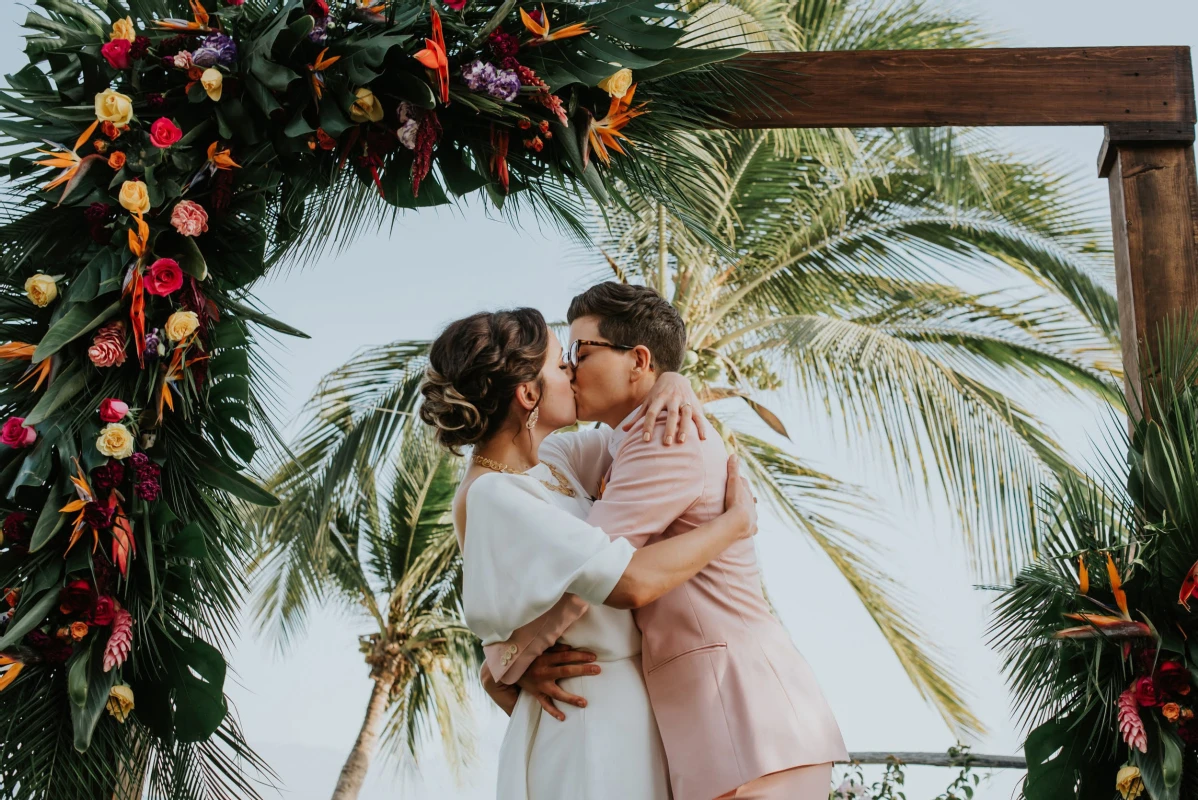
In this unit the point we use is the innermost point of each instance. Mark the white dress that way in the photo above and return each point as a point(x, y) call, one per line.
point(525, 546)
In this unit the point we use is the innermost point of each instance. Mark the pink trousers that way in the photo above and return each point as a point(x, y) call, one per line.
point(812, 782)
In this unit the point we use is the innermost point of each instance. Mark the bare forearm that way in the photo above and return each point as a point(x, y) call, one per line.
point(504, 696)
point(662, 566)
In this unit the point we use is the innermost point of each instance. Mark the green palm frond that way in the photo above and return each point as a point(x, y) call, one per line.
point(804, 497)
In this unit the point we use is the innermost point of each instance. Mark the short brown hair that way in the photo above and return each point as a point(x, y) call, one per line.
point(474, 367)
point(633, 315)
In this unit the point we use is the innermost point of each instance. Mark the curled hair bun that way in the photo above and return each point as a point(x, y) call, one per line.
point(474, 368)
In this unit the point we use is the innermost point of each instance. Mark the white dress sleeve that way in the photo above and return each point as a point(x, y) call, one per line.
point(582, 453)
point(522, 553)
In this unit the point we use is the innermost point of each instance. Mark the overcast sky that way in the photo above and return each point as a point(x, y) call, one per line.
point(302, 711)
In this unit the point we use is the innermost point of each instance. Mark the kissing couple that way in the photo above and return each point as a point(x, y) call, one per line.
point(617, 564)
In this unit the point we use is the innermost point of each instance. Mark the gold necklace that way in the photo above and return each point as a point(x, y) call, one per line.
point(563, 484)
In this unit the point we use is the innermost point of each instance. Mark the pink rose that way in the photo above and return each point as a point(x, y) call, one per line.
point(113, 410)
point(164, 277)
point(182, 59)
point(116, 53)
point(456, 5)
point(189, 219)
point(15, 435)
point(164, 133)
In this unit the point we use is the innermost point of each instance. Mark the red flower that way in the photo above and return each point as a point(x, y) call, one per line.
point(1146, 694)
point(164, 277)
point(318, 8)
point(113, 410)
point(456, 5)
point(15, 435)
point(116, 53)
point(77, 596)
point(139, 47)
point(1174, 678)
point(103, 611)
point(164, 133)
point(14, 526)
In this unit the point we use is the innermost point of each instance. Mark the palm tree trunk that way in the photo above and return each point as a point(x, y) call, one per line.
point(353, 774)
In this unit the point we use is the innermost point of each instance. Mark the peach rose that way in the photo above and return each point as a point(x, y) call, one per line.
point(180, 325)
point(213, 83)
point(189, 218)
point(120, 702)
point(78, 630)
point(114, 107)
point(116, 159)
point(123, 29)
point(115, 441)
point(41, 289)
point(617, 84)
point(135, 197)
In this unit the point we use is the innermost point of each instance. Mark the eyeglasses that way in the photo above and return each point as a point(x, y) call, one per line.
point(570, 354)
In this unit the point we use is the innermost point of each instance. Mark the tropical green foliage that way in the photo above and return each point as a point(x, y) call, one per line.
point(1098, 633)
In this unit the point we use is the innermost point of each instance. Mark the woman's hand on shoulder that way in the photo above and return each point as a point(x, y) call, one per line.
point(673, 394)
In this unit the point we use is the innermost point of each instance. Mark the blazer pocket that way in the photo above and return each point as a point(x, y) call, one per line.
point(700, 649)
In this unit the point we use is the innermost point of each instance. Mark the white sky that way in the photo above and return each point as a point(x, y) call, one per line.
point(303, 711)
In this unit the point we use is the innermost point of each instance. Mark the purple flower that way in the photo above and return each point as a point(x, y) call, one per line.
point(153, 344)
point(146, 484)
point(505, 86)
point(478, 75)
point(407, 133)
point(320, 31)
point(217, 48)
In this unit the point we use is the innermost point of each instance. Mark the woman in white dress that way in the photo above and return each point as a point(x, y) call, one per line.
point(494, 382)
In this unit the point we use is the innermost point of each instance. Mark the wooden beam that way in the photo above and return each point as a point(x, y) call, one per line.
point(930, 88)
point(1154, 218)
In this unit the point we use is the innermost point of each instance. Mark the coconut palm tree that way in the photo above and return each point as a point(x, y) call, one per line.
point(838, 265)
point(393, 560)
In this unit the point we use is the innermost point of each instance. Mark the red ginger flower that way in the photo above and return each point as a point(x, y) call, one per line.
point(121, 640)
point(1130, 724)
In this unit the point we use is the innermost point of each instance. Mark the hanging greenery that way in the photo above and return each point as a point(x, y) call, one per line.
point(161, 156)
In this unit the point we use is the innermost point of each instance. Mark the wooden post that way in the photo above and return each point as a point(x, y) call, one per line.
point(1154, 220)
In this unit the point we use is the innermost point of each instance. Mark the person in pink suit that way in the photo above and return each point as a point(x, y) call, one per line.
point(740, 712)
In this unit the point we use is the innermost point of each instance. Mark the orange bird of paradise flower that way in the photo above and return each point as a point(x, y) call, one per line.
point(434, 58)
point(221, 159)
point(173, 373)
point(139, 240)
point(200, 24)
point(1114, 627)
point(499, 141)
point(73, 167)
point(84, 496)
point(540, 30)
point(23, 351)
point(135, 289)
point(123, 544)
point(317, 68)
point(606, 132)
point(12, 669)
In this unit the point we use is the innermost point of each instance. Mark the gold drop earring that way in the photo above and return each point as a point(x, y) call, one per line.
point(532, 419)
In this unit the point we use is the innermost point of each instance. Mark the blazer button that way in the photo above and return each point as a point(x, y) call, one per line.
point(513, 649)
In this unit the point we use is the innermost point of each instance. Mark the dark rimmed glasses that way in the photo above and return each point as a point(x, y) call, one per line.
point(570, 354)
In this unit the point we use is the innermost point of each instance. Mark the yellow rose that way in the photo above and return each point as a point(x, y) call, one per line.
point(115, 441)
point(120, 701)
point(114, 107)
point(366, 107)
point(181, 324)
point(123, 29)
point(41, 289)
point(135, 197)
point(1129, 783)
point(617, 85)
point(213, 82)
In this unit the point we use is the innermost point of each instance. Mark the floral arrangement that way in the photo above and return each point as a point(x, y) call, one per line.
point(1100, 637)
point(157, 165)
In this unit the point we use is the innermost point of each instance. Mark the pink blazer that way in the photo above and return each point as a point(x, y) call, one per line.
point(733, 698)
